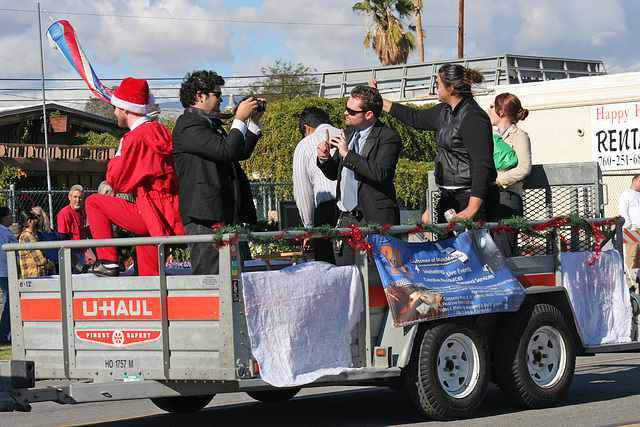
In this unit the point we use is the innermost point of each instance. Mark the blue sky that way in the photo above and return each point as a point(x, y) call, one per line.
point(168, 38)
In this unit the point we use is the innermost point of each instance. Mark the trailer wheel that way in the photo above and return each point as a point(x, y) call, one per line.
point(273, 396)
point(449, 370)
point(535, 366)
point(182, 404)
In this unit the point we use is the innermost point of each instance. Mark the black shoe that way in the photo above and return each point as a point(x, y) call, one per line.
point(104, 268)
point(81, 267)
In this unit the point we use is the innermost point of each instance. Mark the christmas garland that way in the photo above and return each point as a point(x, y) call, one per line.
point(355, 238)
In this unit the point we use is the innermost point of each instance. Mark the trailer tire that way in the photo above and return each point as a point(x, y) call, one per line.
point(448, 373)
point(182, 404)
point(535, 366)
point(274, 396)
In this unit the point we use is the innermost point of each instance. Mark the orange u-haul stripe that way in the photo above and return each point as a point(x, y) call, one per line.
point(193, 308)
point(542, 279)
point(377, 298)
point(40, 309)
point(178, 308)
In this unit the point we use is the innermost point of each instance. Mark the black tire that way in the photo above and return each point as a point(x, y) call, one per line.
point(536, 359)
point(274, 396)
point(448, 373)
point(182, 404)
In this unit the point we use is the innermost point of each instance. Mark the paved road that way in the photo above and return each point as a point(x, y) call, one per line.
point(605, 391)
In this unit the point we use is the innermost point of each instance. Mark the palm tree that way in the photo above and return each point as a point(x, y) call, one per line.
point(385, 31)
point(417, 11)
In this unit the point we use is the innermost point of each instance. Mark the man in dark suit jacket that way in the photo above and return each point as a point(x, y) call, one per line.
point(364, 165)
point(214, 189)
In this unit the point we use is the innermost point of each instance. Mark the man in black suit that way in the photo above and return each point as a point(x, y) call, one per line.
point(214, 190)
point(364, 165)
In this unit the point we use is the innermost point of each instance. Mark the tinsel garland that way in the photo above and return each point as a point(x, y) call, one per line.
point(356, 239)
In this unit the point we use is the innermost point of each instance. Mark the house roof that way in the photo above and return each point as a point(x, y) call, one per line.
point(86, 120)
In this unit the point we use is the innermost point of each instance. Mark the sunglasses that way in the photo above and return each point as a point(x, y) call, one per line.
point(217, 94)
point(353, 112)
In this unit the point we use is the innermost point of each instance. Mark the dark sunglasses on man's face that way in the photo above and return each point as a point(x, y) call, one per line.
point(353, 112)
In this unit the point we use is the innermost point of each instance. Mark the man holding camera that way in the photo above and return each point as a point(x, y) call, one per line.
point(214, 190)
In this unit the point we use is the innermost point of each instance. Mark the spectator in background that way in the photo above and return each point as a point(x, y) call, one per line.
point(6, 236)
point(46, 233)
point(315, 194)
point(71, 219)
point(33, 263)
point(43, 219)
point(72, 224)
point(629, 209)
point(106, 189)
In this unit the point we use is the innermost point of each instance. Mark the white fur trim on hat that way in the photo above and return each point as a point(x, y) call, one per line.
point(132, 95)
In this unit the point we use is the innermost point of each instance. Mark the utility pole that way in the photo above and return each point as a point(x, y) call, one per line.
point(461, 30)
point(45, 125)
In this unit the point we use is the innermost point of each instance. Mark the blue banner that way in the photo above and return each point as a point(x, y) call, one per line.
point(460, 276)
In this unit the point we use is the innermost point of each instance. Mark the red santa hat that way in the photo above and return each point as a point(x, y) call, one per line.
point(132, 95)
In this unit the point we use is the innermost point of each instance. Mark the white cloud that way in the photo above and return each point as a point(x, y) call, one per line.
point(145, 39)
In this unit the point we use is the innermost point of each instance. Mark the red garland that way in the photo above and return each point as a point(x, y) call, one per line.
point(355, 239)
point(279, 236)
point(598, 237)
point(232, 240)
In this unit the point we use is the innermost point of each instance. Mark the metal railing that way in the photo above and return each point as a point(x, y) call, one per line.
point(411, 81)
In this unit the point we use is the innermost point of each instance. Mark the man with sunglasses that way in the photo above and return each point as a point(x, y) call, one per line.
point(214, 189)
point(364, 165)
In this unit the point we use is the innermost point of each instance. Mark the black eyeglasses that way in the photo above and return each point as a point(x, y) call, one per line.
point(216, 94)
point(353, 112)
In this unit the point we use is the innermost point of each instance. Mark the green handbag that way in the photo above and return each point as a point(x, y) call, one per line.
point(504, 156)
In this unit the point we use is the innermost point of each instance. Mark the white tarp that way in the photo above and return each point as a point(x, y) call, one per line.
point(300, 320)
point(599, 296)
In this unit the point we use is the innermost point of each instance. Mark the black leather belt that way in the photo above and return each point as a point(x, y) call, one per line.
point(357, 214)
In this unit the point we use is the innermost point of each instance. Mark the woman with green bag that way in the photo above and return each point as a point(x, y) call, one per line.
point(512, 165)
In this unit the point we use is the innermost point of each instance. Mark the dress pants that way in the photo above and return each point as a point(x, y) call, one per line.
point(102, 212)
point(344, 254)
point(459, 200)
point(510, 205)
point(204, 256)
point(325, 214)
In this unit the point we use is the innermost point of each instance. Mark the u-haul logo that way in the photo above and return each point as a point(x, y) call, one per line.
point(116, 308)
point(117, 337)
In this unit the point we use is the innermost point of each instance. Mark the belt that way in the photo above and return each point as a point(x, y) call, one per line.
point(452, 192)
point(357, 214)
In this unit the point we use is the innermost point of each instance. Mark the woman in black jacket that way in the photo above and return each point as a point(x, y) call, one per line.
point(464, 168)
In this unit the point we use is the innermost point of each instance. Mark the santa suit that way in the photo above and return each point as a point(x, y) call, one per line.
point(145, 167)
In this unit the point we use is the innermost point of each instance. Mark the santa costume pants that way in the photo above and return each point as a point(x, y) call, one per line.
point(102, 212)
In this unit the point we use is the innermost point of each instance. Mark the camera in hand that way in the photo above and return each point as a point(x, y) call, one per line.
point(262, 105)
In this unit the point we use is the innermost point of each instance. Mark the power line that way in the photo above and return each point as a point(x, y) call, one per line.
point(228, 21)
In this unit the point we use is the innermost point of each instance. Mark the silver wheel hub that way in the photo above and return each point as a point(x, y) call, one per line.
point(546, 356)
point(458, 365)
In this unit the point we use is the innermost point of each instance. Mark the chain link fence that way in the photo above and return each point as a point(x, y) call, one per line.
point(616, 182)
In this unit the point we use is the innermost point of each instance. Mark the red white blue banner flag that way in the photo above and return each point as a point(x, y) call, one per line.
point(62, 36)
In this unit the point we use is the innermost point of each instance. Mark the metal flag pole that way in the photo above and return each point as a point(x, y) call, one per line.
point(46, 128)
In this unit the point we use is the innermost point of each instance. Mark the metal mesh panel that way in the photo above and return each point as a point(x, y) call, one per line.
point(542, 204)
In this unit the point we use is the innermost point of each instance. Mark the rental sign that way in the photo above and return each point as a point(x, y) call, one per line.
point(614, 135)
